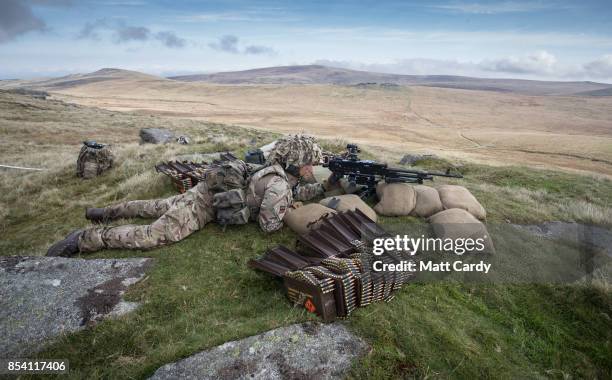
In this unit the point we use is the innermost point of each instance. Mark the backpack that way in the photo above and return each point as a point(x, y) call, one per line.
point(226, 175)
point(94, 159)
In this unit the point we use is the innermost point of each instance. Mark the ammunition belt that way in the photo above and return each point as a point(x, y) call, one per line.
point(331, 274)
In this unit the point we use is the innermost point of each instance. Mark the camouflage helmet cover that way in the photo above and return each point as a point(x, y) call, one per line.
point(297, 150)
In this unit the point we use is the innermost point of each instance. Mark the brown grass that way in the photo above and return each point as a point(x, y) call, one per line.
point(570, 133)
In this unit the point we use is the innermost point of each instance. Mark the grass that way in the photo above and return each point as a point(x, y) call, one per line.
point(200, 292)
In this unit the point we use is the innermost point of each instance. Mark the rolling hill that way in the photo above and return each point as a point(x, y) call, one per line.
point(317, 74)
point(452, 117)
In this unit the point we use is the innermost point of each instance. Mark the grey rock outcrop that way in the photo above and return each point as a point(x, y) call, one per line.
point(300, 351)
point(411, 159)
point(44, 297)
point(156, 136)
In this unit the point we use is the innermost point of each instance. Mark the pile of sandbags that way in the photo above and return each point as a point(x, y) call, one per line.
point(402, 199)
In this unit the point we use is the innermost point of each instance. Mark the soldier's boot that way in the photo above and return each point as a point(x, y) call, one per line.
point(67, 247)
point(96, 215)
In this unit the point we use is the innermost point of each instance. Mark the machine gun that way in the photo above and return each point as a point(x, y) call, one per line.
point(368, 173)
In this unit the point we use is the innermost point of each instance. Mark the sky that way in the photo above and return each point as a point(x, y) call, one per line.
point(547, 40)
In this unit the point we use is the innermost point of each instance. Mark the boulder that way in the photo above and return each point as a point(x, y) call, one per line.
point(453, 196)
point(44, 297)
point(411, 159)
point(183, 140)
point(156, 136)
point(304, 218)
point(397, 199)
point(349, 202)
point(299, 351)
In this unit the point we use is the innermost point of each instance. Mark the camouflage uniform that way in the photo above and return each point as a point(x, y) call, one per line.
point(178, 217)
point(268, 197)
point(304, 190)
point(297, 151)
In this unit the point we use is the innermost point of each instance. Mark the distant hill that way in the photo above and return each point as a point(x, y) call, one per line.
point(317, 74)
point(308, 74)
point(74, 80)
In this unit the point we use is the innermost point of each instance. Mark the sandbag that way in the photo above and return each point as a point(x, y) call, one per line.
point(349, 202)
point(427, 201)
point(453, 196)
point(456, 223)
point(379, 189)
point(307, 217)
point(397, 199)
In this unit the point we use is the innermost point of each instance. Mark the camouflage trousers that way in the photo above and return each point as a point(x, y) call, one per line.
point(177, 218)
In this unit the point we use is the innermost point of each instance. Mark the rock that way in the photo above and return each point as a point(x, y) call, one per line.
point(585, 235)
point(411, 159)
point(300, 351)
point(156, 136)
point(183, 140)
point(44, 297)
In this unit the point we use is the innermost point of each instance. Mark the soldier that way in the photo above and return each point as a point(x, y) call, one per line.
point(268, 196)
point(297, 155)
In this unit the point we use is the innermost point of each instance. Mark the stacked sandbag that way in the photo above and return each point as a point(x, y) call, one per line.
point(456, 223)
point(349, 202)
point(453, 196)
point(94, 159)
point(307, 217)
point(380, 186)
point(396, 199)
point(427, 201)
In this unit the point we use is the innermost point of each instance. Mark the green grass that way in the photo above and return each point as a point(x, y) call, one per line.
point(200, 292)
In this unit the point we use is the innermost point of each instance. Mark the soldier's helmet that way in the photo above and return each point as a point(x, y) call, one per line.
point(296, 150)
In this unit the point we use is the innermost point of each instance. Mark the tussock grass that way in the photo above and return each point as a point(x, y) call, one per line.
point(200, 293)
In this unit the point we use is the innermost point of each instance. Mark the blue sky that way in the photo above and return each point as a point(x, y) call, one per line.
point(562, 40)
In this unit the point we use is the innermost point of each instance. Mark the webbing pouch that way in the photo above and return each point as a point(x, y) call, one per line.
point(229, 215)
point(235, 198)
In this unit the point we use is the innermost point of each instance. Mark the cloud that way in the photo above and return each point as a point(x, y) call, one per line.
point(229, 44)
point(124, 33)
point(170, 39)
point(495, 7)
point(541, 62)
point(599, 68)
point(90, 29)
point(538, 65)
point(51, 3)
point(16, 18)
point(259, 49)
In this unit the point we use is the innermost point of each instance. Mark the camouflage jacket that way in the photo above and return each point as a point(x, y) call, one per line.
point(269, 196)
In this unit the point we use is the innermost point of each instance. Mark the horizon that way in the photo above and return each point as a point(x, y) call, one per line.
point(306, 65)
point(539, 40)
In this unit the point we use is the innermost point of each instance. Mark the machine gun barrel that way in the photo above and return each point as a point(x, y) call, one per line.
point(368, 173)
point(425, 173)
